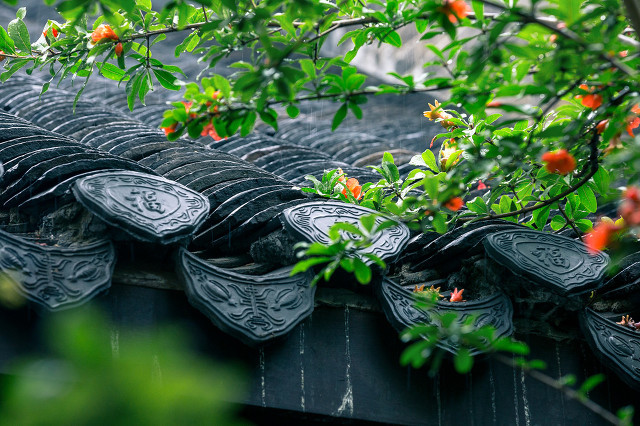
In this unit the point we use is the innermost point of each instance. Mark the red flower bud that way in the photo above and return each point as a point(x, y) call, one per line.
point(119, 49)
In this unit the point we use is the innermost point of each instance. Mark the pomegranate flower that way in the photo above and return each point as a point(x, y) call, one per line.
point(437, 113)
point(354, 187)
point(601, 236)
point(169, 129)
point(456, 296)
point(455, 9)
point(630, 207)
point(454, 204)
point(560, 162)
point(103, 32)
point(590, 100)
point(210, 130)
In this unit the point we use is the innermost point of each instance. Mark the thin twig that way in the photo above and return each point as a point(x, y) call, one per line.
point(555, 384)
point(593, 161)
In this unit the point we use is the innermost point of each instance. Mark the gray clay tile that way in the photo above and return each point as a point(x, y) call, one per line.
point(148, 207)
point(144, 150)
point(258, 225)
point(224, 174)
point(254, 309)
point(399, 305)
point(53, 171)
point(616, 346)
point(556, 262)
point(311, 222)
point(56, 277)
point(216, 226)
point(194, 170)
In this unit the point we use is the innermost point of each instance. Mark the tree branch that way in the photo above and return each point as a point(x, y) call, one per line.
point(555, 384)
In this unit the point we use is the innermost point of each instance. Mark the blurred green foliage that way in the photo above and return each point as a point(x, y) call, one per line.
point(96, 374)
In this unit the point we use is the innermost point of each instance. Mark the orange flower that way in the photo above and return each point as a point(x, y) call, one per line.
point(632, 193)
point(630, 207)
point(591, 100)
point(118, 49)
point(600, 236)
point(455, 9)
point(209, 130)
point(632, 123)
point(169, 129)
point(342, 178)
point(54, 32)
point(103, 31)
point(456, 296)
point(454, 204)
point(437, 113)
point(494, 104)
point(560, 162)
point(354, 187)
point(2, 57)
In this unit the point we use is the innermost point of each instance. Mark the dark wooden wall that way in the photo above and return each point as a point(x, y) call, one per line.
point(343, 362)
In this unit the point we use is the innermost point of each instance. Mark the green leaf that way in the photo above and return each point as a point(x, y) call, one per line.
point(248, 123)
point(339, 117)
point(308, 67)
point(439, 223)
point(293, 111)
point(6, 44)
point(602, 180)
point(20, 34)
point(588, 198)
point(591, 383)
point(477, 205)
point(303, 265)
point(368, 221)
point(478, 9)
point(393, 38)
point(361, 271)
point(540, 216)
point(112, 72)
point(21, 13)
point(223, 85)
point(166, 79)
point(463, 361)
point(557, 222)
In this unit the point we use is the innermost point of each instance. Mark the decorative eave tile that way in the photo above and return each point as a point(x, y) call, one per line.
point(617, 347)
point(56, 277)
point(252, 308)
point(150, 208)
point(399, 306)
point(559, 263)
point(311, 222)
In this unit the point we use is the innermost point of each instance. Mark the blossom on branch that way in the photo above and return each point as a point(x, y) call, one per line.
point(455, 9)
point(354, 187)
point(590, 100)
point(560, 162)
point(454, 204)
point(210, 130)
point(103, 32)
point(437, 113)
point(601, 236)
